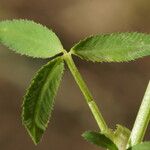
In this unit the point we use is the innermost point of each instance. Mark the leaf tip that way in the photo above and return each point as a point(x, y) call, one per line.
point(35, 134)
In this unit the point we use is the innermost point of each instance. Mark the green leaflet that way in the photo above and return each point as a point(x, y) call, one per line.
point(39, 99)
point(142, 146)
point(29, 38)
point(99, 139)
point(116, 47)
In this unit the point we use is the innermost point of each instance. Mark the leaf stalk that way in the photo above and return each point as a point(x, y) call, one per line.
point(85, 91)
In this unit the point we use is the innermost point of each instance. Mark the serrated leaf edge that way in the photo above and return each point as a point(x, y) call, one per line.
point(39, 24)
point(94, 61)
point(27, 91)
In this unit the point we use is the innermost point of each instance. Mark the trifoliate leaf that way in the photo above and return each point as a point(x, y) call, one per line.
point(116, 47)
point(99, 139)
point(39, 99)
point(29, 38)
point(142, 146)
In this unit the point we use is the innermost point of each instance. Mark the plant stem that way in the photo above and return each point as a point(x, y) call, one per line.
point(142, 120)
point(88, 97)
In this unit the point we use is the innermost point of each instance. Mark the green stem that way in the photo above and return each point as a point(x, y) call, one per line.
point(142, 120)
point(88, 97)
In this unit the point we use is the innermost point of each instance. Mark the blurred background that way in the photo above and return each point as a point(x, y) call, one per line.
point(117, 87)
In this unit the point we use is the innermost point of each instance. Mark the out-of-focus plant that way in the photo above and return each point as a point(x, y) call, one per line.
point(34, 40)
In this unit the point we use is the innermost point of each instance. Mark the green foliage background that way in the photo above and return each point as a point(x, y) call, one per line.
point(118, 88)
